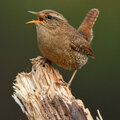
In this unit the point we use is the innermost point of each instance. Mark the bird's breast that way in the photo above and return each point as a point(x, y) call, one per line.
point(57, 49)
point(54, 49)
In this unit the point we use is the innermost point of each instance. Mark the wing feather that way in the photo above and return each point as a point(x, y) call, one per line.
point(82, 46)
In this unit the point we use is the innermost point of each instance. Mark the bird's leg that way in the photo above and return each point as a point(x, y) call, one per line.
point(69, 83)
point(73, 75)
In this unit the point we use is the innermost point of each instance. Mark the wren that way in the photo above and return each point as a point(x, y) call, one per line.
point(61, 43)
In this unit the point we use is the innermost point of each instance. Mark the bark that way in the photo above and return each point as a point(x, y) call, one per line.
point(41, 95)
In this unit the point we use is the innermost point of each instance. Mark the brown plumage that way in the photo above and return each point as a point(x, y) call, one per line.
point(62, 44)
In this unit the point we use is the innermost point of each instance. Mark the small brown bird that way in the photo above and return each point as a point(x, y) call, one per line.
point(62, 44)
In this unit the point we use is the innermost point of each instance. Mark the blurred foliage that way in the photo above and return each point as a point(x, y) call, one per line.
point(97, 83)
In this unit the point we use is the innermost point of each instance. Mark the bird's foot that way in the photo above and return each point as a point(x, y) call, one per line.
point(64, 84)
point(45, 60)
point(40, 60)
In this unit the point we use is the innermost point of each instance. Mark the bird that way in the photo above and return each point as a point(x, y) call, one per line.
point(61, 43)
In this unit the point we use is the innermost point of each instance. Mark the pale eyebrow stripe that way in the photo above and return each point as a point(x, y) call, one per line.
point(55, 15)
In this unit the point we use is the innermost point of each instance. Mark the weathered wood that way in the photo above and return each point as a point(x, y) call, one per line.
point(41, 97)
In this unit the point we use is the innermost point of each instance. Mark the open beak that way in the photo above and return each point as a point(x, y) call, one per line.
point(40, 19)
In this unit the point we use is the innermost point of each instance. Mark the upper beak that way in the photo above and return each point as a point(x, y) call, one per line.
point(40, 19)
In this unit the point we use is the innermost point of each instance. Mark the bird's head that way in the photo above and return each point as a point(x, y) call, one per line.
point(49, 19)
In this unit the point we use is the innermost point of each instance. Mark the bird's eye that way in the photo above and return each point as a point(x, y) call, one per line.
point(49, 17)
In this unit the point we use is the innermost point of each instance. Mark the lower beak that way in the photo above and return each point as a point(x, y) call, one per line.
point(33, 21)
point(40, 19)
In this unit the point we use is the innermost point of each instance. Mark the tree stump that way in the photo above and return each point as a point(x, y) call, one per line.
point(42, 97)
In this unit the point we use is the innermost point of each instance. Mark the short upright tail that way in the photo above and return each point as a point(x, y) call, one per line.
point(85, 28)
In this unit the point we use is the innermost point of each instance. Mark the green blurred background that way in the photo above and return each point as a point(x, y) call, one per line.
point(97, 83)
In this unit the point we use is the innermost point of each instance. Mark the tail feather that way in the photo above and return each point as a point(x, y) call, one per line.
point(85, 28)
